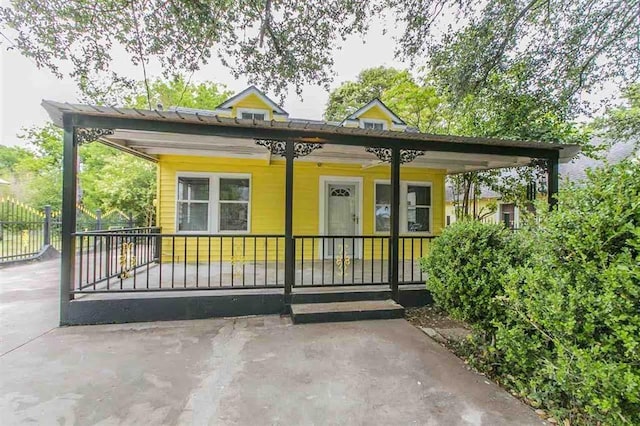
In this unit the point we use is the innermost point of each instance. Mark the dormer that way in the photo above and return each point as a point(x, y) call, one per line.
point(375, 116)
point(252, 103)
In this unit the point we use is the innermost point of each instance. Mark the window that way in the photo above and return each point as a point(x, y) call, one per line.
point(418, 207)
point(193, 204)
point(415, 207)
point(216, 203)
point(252, 116)
point(234, 204)
point(373, 125)
point(383, 207)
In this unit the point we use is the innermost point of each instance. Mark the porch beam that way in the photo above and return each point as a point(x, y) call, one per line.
point(552, 182)
point(312, 136)
point(69, 193)
point(289, 248)
point(395, 224)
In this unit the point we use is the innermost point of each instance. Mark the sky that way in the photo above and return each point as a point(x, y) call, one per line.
point(23, 85)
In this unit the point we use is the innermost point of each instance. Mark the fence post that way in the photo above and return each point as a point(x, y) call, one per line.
point(47, 226)
point(98, 220)
point(130, 220)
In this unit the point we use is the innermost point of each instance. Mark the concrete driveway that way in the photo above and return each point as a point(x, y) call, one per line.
point(243, 371)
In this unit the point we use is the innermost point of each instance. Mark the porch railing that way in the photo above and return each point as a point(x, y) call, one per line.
point(356, 259)
point(143, 259)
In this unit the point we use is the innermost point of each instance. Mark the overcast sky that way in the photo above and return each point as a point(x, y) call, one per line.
point(24, 85)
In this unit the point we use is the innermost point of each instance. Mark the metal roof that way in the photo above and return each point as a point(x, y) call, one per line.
point(182, 122)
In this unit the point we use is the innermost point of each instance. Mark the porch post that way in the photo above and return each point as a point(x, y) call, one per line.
point(69, 190)
point(395, 223)
point(289, 248)
point(552, 179)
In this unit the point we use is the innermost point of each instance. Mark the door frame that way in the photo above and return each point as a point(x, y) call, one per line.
point(324, 182)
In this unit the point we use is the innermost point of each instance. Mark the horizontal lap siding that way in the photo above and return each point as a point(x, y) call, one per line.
point(267, 202)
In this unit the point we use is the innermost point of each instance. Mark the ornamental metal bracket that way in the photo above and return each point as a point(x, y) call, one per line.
point(384, 154)
point(87, 135)
point(301, 149)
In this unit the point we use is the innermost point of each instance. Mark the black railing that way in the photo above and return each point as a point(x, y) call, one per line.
point(411, 250)
point(356, 260)
point(143, 259)
point(341, 260)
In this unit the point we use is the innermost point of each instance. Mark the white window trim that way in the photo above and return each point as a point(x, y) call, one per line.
point(404, 185)
point(385, 124)
point(213, 224)
point(404, 189)
point(239, 112)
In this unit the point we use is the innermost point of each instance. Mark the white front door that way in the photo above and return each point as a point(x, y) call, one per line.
point(342, 218)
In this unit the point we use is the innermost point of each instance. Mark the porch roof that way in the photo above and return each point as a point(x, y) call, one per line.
point(150, 133)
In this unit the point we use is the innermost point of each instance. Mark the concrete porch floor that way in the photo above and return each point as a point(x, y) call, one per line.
point(242, 371)
point(248, 274)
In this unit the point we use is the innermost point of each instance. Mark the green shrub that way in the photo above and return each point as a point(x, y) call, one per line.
point(572, 334)
point(463, 266)
point(556, 309)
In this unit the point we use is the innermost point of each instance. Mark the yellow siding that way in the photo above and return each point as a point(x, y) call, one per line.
point(252, 101)
point(267, 198)
point(376, 113)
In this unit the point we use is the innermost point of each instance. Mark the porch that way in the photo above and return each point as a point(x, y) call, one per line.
point(159, 262)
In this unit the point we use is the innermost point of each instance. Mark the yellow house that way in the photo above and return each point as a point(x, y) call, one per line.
point(266, 207)
point(335, 194)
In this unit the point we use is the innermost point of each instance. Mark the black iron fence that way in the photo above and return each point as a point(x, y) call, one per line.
point(144, 259)
point(25, 231)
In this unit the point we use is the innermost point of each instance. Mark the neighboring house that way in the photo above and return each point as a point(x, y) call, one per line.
point(267, 208)
point(574, 171)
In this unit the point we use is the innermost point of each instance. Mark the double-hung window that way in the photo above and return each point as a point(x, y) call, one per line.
point(252, 114)
point(214, 203)
point(373, 125)
point(418, 207)
point(415, 207)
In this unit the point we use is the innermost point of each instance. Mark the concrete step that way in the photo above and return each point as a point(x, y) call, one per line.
point(339, 294)
point(345, 311)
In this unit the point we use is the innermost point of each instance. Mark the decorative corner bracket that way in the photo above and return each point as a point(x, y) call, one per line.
point(87, 135)
point(301, 149)
point(384, 154)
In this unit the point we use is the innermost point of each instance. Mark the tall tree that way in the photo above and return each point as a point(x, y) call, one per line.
point(108, 178)
point(505, 108)
point(570, 45)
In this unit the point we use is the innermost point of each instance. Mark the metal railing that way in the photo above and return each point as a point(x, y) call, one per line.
point(143, 259)
point(25, 231)
point(356, 259)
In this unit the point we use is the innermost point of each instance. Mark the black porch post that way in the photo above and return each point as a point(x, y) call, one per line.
point(69, 175)
point(552, 179)
point(289, 248)
point(395, 223)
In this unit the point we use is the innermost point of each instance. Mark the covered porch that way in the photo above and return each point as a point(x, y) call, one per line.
point(157, 261)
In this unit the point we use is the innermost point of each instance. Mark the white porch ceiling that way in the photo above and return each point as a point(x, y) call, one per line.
point(155, 144)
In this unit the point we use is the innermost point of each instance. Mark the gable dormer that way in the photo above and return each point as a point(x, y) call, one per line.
point(376, 116)
point(252, 103)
